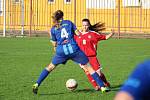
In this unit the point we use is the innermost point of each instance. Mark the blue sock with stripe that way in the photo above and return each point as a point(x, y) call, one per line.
point(42, 76)
point(97, 79)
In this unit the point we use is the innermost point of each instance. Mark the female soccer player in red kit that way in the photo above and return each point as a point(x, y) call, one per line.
point(87, 41)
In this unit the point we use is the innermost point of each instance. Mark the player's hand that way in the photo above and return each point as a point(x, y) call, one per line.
point(65, 41)
point(77, 32)
point(112, 31)
point(54, 49)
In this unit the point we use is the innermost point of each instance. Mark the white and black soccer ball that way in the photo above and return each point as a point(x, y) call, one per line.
point(71, 84)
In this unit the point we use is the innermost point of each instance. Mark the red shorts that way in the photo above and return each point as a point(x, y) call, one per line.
point(94, 63)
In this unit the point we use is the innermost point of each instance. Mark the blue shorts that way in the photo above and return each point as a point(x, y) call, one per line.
point(78, 57)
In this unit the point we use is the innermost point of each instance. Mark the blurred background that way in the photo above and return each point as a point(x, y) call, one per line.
point(130, 18)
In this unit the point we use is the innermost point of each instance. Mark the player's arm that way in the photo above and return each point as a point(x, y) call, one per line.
point(74, 28)
point(54, 43)
point(110, 35)
point(123, 96)
point(137, 83)
point(53, 39)
point(77, 32)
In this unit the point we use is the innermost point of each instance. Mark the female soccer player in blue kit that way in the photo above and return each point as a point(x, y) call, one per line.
point(62, 37)
point(137, 86)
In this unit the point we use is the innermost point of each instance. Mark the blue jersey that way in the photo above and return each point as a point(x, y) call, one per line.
point(64, 36)
point(138, 83)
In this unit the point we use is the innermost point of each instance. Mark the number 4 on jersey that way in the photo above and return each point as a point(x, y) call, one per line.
point(64, 33)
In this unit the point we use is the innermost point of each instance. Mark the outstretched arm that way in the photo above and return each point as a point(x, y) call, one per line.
point(110, 35)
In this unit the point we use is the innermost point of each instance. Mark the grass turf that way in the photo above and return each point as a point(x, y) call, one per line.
point(23, 59)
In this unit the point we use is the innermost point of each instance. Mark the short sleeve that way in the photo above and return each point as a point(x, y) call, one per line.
point(99, 37)
point(52, 35)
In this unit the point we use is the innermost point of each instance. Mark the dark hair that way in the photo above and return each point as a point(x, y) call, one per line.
point(57, 15)
point(98, 27)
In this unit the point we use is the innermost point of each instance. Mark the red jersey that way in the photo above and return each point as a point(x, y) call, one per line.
point(88, 42)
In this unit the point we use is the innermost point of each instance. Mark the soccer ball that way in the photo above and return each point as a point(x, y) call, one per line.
point(71, 84)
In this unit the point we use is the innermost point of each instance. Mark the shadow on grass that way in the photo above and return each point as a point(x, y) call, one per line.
point(115, 87)
point(76, 91)
point(85, 91)
point(46, 94)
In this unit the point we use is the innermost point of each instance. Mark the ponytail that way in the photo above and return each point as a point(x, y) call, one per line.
point(98, 27)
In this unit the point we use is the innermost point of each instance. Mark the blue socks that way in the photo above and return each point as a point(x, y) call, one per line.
point(97, 79)
point(43, 75)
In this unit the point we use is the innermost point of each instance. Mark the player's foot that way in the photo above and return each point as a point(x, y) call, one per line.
point(35, 88)
point(107, 84)
point(104, 89)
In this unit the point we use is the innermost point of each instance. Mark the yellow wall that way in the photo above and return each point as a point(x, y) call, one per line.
point(132, 18)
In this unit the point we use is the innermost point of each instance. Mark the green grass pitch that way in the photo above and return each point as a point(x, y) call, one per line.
point(23, 59)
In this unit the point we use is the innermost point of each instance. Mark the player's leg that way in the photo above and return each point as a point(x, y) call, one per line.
point(42, 76)
point(96, 66)
point(96, 77)
point(81, 58)
point(106, 83)
point(55, 61)
point(44, 73)
point(90, 78)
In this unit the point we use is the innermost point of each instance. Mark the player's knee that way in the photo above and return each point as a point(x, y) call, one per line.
point(50, 67)
point(85, 69)
point(99, 72)
point(90, 69)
